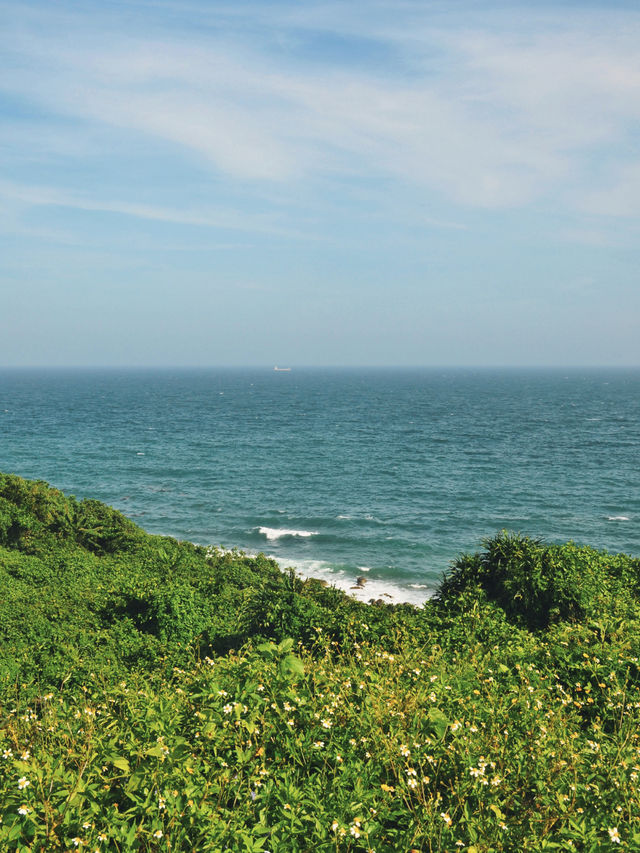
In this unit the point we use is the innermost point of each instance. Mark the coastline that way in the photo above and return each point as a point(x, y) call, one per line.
point(353, 583)
point(362, 588)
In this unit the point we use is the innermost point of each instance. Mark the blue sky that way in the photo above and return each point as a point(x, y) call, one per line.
point(339, 183)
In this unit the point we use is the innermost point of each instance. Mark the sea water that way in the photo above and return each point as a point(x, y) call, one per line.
point(382, 474)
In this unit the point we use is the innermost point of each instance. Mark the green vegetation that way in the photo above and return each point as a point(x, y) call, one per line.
point(159, 696)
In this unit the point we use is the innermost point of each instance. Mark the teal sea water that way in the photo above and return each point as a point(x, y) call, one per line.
point(384, 474)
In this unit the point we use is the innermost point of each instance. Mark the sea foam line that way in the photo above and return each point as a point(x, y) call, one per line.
point(272, 533)
point(375, 588)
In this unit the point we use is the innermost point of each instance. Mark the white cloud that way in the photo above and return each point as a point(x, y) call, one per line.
point(484, 117)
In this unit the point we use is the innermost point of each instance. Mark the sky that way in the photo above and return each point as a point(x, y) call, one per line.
point(380, 182)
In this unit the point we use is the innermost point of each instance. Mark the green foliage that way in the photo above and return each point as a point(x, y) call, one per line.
point(158, 696)
point(537, 585)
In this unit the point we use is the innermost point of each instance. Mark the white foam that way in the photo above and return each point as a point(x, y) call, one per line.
point(618, 518)
point(364, 568)
point(272, 533)
point(374, 588)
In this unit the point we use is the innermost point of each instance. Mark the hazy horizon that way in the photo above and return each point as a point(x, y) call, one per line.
point(320, 367)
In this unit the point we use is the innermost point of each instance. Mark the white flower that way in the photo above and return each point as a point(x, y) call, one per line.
point(334, 826)
point(157, 833)
point(613, 835)
point(446, 818)
point(23, 782)
point(228, 709)
point(24, 810)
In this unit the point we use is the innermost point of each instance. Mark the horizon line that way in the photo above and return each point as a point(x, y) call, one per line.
point(291, 367)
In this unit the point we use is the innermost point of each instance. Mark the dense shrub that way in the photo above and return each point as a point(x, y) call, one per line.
point(537, 584)
point(158, 696)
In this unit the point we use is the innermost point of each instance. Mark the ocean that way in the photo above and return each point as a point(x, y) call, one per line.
point(385, 474)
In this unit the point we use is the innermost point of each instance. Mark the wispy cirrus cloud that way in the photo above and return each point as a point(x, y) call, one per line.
point(234, 220)
point(483, 118)
point(416, 176)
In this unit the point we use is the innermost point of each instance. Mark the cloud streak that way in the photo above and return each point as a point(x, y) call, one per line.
point(481, 118)
point(39, 196)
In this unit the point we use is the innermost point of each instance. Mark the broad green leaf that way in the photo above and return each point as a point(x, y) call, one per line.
point(121, 763)
point(439, 721)
point(291, 666)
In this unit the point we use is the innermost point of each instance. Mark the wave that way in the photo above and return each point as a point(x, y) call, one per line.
point(618, 518)
point(273, 533)
point(346, 580)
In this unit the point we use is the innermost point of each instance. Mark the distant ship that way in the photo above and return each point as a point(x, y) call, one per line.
point(282, 369)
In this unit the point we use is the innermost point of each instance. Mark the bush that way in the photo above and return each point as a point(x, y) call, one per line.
point(537, 584)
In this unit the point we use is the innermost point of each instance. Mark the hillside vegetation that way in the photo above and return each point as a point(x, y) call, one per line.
point(160, 696)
